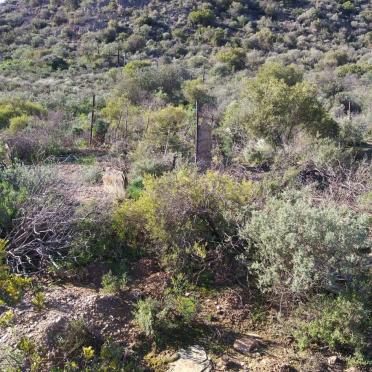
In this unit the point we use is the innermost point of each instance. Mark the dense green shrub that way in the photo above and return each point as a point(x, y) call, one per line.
point(11, 286)
point(135, 43)
point(11, 197)
point(348, 7)
point(168, 130)
point(135, 188)
point(18, 123)
point(353, 68)
point(341, 324)
point(277, 104)
point(141, 81)
point(234, 57)
point(18, 108)
point(195, 90)
point(185, 225)
point(299, 247)
point(94, 239)
point(202, 16)
point(157, 318)
point(112, 284)
point(144, 316)
point(325, 153)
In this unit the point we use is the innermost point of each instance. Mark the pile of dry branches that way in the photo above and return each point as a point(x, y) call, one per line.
point(40, 234)
point(44, 224)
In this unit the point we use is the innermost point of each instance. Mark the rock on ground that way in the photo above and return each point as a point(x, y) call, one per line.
point(193, 359)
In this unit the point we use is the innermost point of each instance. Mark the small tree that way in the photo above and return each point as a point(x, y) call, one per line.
point(165, 130)
point(120, 114)
point(195, 90)
point(277, 103)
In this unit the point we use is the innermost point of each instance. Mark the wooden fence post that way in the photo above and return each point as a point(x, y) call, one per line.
point(92, 120)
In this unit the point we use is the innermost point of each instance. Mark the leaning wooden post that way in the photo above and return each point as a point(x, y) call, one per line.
point(92, 120)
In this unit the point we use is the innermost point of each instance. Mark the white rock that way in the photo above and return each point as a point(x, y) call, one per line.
point(193, 359)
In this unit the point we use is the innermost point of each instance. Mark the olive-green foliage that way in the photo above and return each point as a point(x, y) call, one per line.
point(348, 7)
point(135, 43)
point(135, 188)
point(341, 324)
point(234, 57)
point(133, 67)
point(202, 16)
point(18, 108)
point(18, 123)
point(11, 286)
point(76, 335)
point(94, 239)
point(112, 284)
point(353, 68)
point(259, 153)
point(325, 152)
point(140, 81)
point(299, 247)
point(144, 316)
point(184, 217)
point(11, 196)
point(290, 74)
point(6, 318)
point(174, 310)
point(144, 162)
point(123, 118)
point(38, 301)
point(167, 130)
point(277, 104)
point(195, 90)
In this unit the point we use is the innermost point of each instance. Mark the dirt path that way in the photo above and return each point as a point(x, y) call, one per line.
point(82, 182)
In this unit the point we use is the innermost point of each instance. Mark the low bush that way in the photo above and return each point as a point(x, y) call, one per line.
point(341, 324)
point(11, 197)
point(74, 337)
point(234, 57)
point(11, 286)
point(204, 17)
point(6, 318)
point(93, 175)
point(112, 284)
point(135, 188)
point(258, 153)
point(187, 226)
point(94, 239)
point(159, 318)
point(144, 316)
point(276, 105)
point(18, 108)
point(299, 247)
point(18, 123)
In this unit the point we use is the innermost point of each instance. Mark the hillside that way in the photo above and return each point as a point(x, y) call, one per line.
point(185, 185)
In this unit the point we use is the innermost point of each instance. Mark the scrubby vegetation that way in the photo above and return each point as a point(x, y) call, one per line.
point(185, 173)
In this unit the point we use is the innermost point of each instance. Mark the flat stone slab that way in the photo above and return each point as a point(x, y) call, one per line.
point(193, 359)
point(247, 344)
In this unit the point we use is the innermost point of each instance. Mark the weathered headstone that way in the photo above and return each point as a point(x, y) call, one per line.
point(114, 182)
point(204, 146)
